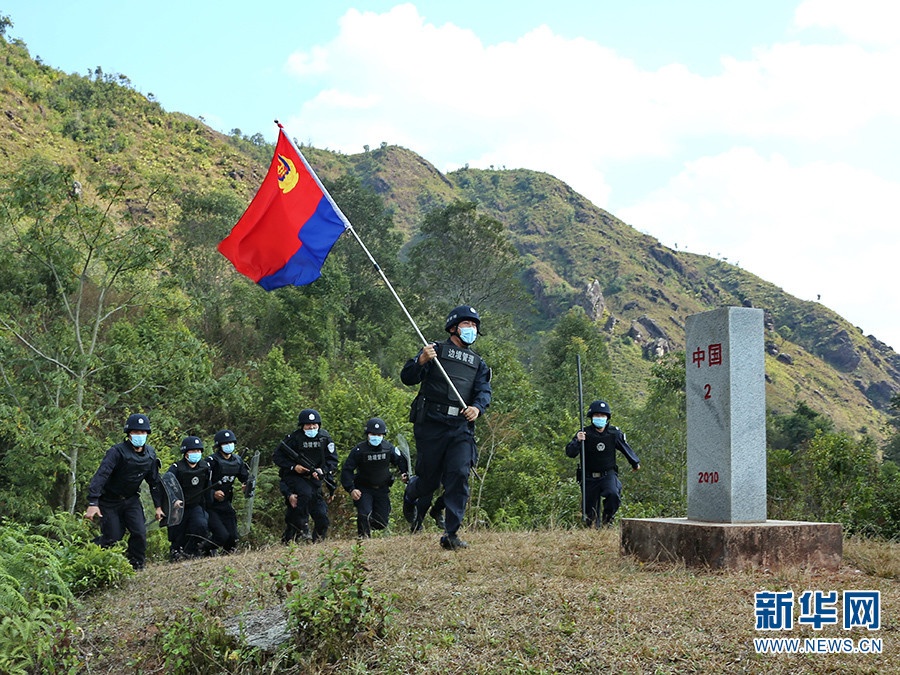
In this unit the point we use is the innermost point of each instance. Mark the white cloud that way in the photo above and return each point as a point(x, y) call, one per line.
point(575, 108)
point(876, 21)
point(821, 228)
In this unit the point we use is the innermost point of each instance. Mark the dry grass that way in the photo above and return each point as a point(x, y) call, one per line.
point(522, 602)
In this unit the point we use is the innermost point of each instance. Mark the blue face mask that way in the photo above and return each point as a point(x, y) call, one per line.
point(311, 433)
point(228, 448)
point(599, 422)
point(138, 440)
point(468, 334)
point(194, 457)
point(375, 440)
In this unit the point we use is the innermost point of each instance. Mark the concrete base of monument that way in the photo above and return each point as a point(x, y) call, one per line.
point(738, 546)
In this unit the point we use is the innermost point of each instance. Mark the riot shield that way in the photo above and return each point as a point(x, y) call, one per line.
point(174, 502)
point(404, 449)
point(249, 493)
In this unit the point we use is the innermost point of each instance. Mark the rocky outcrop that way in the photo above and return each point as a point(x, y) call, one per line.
point(667, 258)
point(652, 328)
point(840, 352)
point(656, 349)
point(880, 393)
point(594, 302)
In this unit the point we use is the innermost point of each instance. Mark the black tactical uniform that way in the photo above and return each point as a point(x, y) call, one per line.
point(317, 460)
point(114, 489)
point(602, 473)
point(368, 469)
point(445, 440)
point(188, 538)
point(225, 468)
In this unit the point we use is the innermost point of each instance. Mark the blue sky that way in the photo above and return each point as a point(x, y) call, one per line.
point(765, 133)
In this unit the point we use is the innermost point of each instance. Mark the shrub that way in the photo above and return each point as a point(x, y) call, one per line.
point(341, 611)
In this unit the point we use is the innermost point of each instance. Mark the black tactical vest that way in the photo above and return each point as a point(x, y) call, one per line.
point(374, 466)
point(225, 470)
point(132, 467)
point(600, 449)
point(312, 451)
point(461, 365)
point(193, 480)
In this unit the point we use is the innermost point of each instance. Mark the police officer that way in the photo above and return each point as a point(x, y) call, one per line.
point(305, 458)
point(113, 491)
point(444, 430)
point(192, 472)
point(366, 475)
point(226, 466)
point(601, 440)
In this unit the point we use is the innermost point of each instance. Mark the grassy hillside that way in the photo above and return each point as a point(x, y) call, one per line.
point(640, 290)
point(567, 244)
point(514, 602)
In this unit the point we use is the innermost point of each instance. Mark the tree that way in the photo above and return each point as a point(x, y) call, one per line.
point(797, 429)
point(891, 449)
point(463, 257)
point(74, 269)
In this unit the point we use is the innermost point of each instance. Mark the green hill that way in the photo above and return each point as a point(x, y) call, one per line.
point(640, 290)
point(573, 252)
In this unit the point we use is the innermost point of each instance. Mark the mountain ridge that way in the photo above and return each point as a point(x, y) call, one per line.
point(573, 252)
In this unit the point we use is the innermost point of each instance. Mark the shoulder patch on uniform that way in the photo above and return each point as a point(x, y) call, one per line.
point(331, 448)
point(397, 452)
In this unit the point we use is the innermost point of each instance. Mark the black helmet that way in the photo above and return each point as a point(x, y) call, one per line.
point(462, 313)
point(224, 436)
point(137, 422)
point(309, 416)
point(191, 443)
point(376, 426)
point(599, 408)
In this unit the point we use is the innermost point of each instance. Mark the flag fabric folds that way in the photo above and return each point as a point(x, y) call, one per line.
point(290, 226)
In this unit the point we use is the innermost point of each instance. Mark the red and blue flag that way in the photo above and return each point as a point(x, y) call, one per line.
point(290, 226)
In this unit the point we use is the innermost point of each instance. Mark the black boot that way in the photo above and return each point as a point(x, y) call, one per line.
point(410, 512)
point(451, 542)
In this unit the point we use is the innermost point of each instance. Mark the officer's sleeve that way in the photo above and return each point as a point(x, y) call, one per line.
point(244, 471)
point(98, 482)
point(626, 450)
point(153, 481)
point(284, 489)
point(573, 447)
point(482, 388)
point(280, 456)
point(413, 373)
point(348, 470)
point(331, 456)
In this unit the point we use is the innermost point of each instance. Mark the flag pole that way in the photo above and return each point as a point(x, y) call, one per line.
point(349, 227)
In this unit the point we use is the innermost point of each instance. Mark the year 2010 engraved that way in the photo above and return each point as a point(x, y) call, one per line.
point(708, 477)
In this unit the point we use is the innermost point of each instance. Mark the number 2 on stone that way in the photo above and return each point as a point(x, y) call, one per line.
point(708, 389)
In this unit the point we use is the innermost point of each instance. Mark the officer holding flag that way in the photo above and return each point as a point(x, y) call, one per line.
point(445, 429)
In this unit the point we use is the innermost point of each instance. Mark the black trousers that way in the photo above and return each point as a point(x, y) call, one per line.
point(188, 537)
point(444, 455)
point(310, 502)
point(118, 516)
point(373, 510)
point(607, 490)
point(223, 525)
